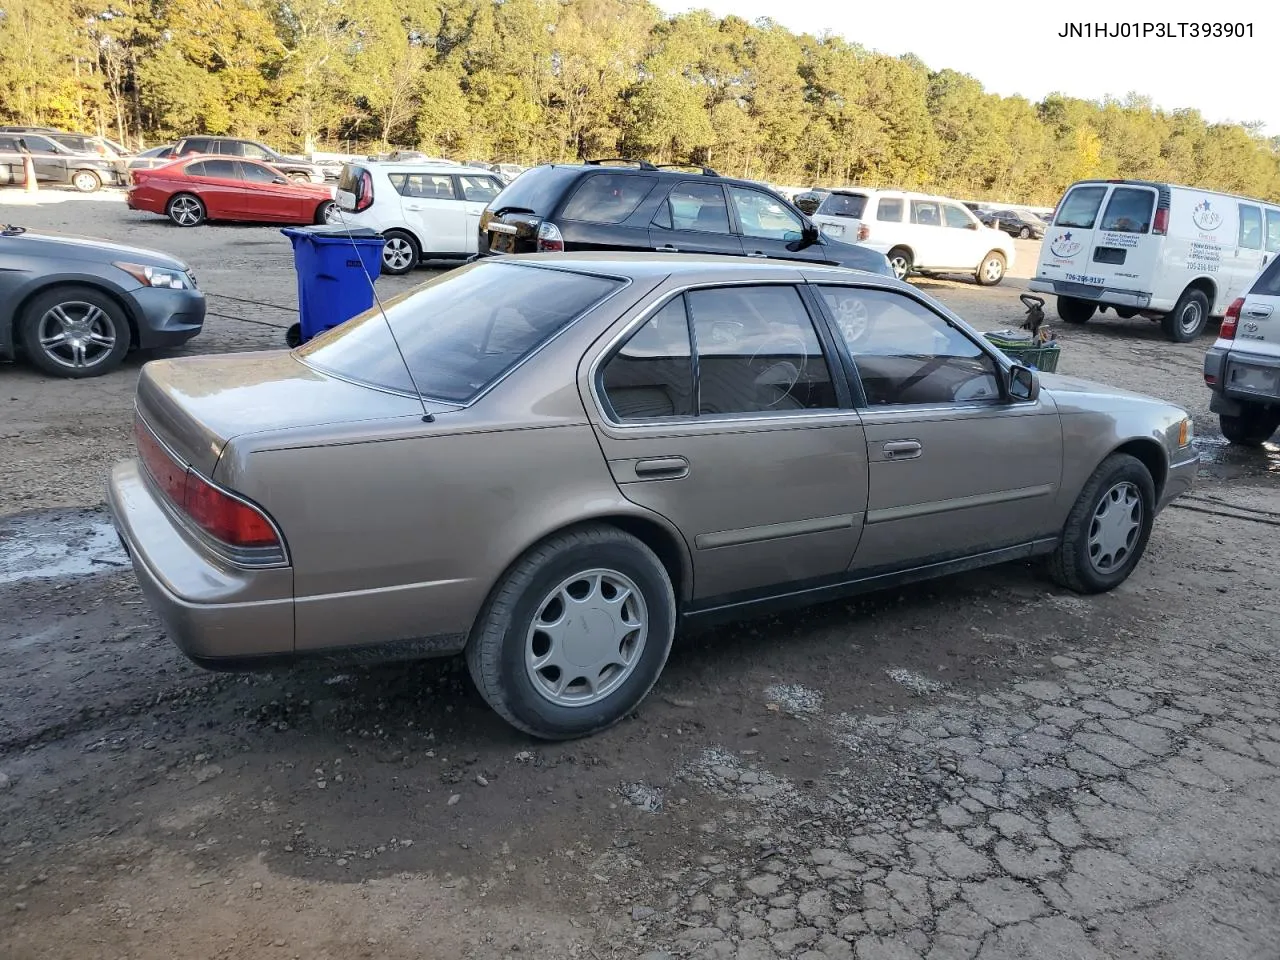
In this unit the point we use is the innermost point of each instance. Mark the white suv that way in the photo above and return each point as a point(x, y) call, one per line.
point(424, 211)
point(917, 232)
point(1242, 368)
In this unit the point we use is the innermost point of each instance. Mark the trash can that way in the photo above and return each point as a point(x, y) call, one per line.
point(336, 266)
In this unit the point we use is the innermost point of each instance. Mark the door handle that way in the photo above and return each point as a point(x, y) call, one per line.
point(757, 253)
point(902, 449)
point(1259, 312)
point(662, 468)
point(667, 248)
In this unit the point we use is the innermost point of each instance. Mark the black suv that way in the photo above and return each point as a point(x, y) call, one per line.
point(53, 162)
point(595, 206)
point(295, 168)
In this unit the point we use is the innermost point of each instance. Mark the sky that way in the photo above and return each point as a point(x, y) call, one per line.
point(1015, 47)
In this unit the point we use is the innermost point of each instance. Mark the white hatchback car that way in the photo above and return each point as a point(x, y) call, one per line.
point(917, 232)
point(424, 211)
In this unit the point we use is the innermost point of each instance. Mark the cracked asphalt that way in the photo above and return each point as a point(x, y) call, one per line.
point(981, 767)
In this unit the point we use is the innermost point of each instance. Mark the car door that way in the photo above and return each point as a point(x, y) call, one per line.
point(476, 190)
point(434, 212)
point(769, 229)
point(954, 468)
point(932, 244)
point(12, 163)
point(694, 218)
point(49, 159)
point(265, 197)
point(965, 238)
point(217, 182)
point(1250, 249)
point(748, 444)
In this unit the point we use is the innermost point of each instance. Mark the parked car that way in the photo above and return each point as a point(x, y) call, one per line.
point(593, 206)
point(1177, 255)
point(21, 129)
point(150, 159)
point(298, 169)
point(508, 171)
point(107, 149)
point(808, 201)
point(917, 232)
point(1242, 368)
point(579, 453)
point(1026, 226)
point(190, 191)
point(74, 307)
point(53, 163)
point(422, 210)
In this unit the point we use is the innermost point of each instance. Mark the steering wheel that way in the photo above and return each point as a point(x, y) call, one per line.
point(781, 375)
point(852, 318)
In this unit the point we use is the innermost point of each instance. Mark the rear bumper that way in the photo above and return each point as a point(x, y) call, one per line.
point(1084, 291)
point(1226, 399)
point(167, 318)
point(213, 612)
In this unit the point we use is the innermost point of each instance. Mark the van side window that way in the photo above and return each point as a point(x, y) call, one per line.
point(1250, 227)
point(889, 210)
point(1080, 208)
point(1129, 210)
point(1273, 231)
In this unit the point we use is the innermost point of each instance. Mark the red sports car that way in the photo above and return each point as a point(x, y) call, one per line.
point(192, 190)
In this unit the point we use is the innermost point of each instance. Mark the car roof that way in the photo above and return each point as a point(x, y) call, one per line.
point(694, 267)
point(683, 173)
point(419, 166)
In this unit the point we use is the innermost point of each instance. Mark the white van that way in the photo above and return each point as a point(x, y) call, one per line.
point(917, 232)
point(1174, 254)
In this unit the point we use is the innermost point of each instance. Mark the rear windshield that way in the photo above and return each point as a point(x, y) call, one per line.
point(459, 332)
point(1080, 207)
point(608, 197)
point(536, 191)
point(843, 205)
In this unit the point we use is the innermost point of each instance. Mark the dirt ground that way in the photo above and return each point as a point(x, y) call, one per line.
point(982, 767)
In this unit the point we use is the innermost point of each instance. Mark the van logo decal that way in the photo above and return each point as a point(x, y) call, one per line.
point(1205, 217)
point(1064, 246)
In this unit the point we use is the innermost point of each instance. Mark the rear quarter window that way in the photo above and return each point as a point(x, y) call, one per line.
point(1079, 208)
point(608, 197)
point(889, 209)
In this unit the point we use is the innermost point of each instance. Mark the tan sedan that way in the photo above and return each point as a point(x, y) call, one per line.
point(550, 462)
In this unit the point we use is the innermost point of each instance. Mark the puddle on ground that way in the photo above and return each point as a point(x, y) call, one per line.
point(1225, 461)
point(38, 546)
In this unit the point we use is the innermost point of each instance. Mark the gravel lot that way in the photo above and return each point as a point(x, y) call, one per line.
point(983, 767)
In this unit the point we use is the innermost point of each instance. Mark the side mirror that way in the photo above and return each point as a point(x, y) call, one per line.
point(1024, 385)
point(809, 235)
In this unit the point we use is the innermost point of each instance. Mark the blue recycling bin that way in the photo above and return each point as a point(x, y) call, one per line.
point(336, 266)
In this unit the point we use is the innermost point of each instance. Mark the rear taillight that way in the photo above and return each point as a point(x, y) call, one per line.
point(1231, 320)
point(1161, 224)
point(549, 238)
point(233, 527)
point(864, 232)
point(364, 199)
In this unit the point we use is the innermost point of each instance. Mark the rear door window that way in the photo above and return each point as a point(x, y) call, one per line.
point(1250, 227)
point(608, 197)
point(222, 169)
point(1080, 207)
point(926, 213)
point(890, 209)
point(651, 375)
point(1273, 231)
point(843, 205)
point(460, 332)
point(698, 207)
point(1129, 210)
point(423, 186)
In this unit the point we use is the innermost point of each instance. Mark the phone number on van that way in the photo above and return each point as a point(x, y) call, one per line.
point(1081, 278)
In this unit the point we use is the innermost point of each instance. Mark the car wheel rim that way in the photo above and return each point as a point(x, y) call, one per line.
point(1113, 533)
point(899, 265)
point(332, 214)
point(586, 638)
point(76, 335)
point(993, 270)
point(186, 211)
point(1190, 317)
point(85, 181)
point(397, 254)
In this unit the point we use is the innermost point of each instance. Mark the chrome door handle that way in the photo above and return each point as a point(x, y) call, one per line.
point(757, 253)
point(902, 449)
point(412, 206)
point(662, 468)
point(667, 248)
point(1259, 312)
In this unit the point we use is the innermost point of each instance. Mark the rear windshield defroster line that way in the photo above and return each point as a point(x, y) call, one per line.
point(460, 332)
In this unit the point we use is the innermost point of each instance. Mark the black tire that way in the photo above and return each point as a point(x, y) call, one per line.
point(1070, 565)
point(400, 252)
point(1252, 428)
point(323, 211)
point(87, 181)
point(991, 270)
point(293, 336)
point(76, 302)
point(1125, 313)
point(1024, 234)
point(901, 262)
point(496, 647)
point(186, 210)
point(1075, 311)
point(1187, 319)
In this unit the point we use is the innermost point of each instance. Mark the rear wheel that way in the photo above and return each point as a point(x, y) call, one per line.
point(1075, 311)
point(1252, 428)
point(1025, 233)
point(86, 181)
point(1187, 319)
point(400, 252)
point(991, 270)
point(1107, 529)
point(75, 332)
point(328, 212)
point(900, 262)
point(575, 635)
point(186, 210)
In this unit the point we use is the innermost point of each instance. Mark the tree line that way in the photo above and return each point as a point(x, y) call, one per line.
point(535, 80)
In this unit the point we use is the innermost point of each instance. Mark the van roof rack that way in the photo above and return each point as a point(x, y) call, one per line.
point(642, 164)
point(705, 171)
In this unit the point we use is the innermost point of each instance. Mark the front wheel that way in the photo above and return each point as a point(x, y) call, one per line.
point(991, 270)
point(1107, 529)
point(75, 332)
point(1252, 428)
point(900, 262)
point(1075, 311)
point(1188, 317)
point(575, 634)
point(86, 181)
